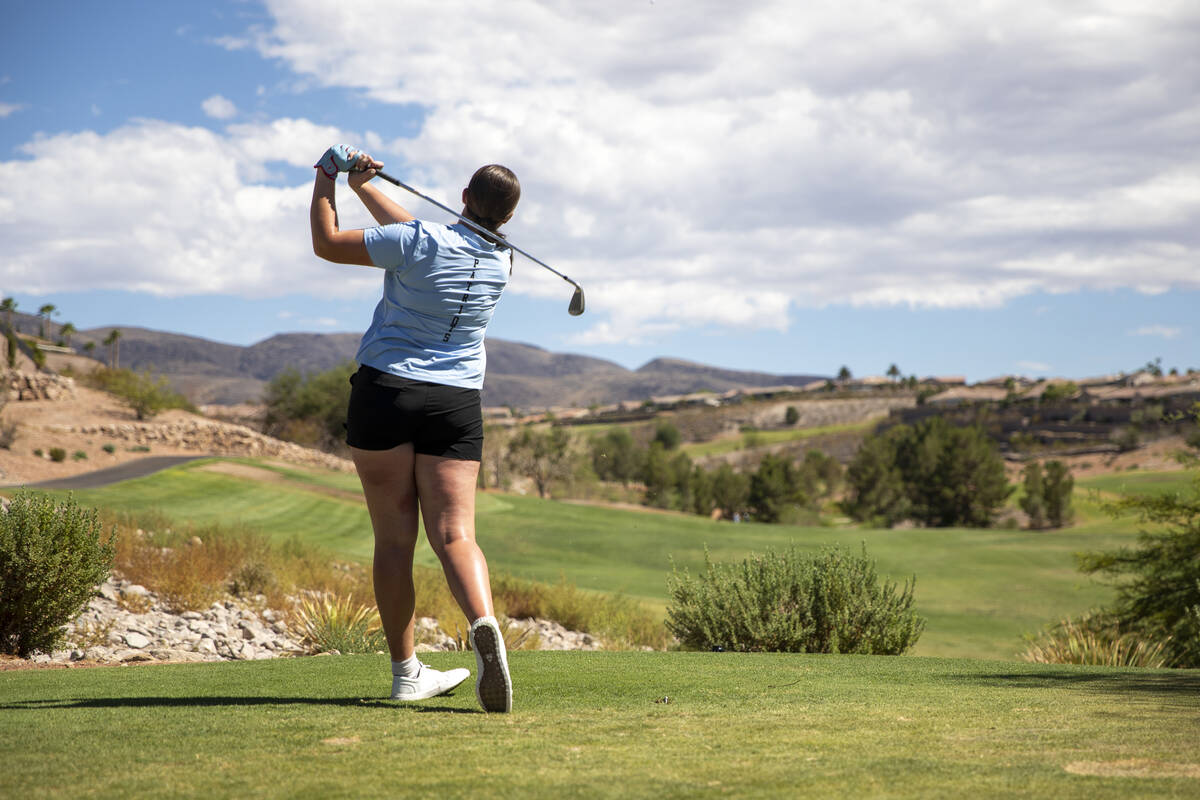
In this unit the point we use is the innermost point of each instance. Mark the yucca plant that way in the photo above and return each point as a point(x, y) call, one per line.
point(330, 623)
point(1093, 641)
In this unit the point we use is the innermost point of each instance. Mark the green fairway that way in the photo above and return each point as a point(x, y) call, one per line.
point(598, 725)
point(1138, 482)
point(981, 590)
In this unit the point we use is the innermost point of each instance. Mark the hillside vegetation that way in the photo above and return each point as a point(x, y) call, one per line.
point(981, 590)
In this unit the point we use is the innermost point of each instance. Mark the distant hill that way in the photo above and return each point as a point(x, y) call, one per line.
point(520, 375)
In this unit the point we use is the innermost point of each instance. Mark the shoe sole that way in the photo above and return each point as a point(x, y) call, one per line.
point(493, 688)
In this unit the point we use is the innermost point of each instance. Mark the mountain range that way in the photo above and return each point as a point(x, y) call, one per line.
point(518, 375)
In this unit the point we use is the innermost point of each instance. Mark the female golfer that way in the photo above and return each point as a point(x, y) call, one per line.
point(414, 425)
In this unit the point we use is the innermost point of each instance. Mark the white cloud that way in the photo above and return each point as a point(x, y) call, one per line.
point(181, 223)
point(775, 155)
point(7, 109)
point(1164, 331)
point(219, 107)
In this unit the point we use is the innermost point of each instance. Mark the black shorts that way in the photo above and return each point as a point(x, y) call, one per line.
point(387, 411)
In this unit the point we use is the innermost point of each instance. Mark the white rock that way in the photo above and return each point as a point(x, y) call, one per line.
point(136, 640)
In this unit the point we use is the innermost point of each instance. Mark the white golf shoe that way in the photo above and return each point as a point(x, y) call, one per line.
point(428, 682)
point(493, 686)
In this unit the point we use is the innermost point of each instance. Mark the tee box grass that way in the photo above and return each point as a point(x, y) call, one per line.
point(627, 724)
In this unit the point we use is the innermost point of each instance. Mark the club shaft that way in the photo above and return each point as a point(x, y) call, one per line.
point(474, 225)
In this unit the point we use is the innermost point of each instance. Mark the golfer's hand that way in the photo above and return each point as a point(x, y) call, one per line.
point(363, 170)
point(339, 158)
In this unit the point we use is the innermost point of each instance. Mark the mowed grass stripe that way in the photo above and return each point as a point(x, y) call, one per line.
point(982, 590)
point(600, 725)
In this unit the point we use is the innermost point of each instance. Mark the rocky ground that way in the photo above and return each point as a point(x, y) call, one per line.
point(126, 624)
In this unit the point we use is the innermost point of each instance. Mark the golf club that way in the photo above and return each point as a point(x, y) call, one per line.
point(576, 307)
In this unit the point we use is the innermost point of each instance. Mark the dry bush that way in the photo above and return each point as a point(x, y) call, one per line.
point(1096, 641)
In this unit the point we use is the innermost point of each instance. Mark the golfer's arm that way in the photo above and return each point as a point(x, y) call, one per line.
point(384, 209)
point(330, 243)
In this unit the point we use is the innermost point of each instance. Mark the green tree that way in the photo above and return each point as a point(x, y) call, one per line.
point(11, 348)
point(1058, 487)
point(820, 475)
point(114, 348)
point(667, 477)
point(666, 434)
point(730, 491)
point(947, 476)
point(1158, 582)
point(893, 372)
point(89, 348)
point(703, 501)
point(954, 476)
point(146, 394)
point(1033, 501)
point(615, 456)
point(44, 314)
point(7, 307)
point(542, 456)
point(66, 331)
point(844, 374)
point(876, 491)
point(309, 409)
point(791, 416)
point(775, 486)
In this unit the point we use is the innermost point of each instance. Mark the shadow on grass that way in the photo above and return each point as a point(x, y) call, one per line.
point(1178, 687)
point(213, 702)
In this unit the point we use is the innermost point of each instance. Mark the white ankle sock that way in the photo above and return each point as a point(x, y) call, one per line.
point(408, 668)
point(485, 619)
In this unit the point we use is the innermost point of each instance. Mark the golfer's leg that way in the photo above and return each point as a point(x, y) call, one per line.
point(446, 487)
point(387, 481)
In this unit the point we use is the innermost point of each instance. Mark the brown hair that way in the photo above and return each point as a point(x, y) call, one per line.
point(492, 196)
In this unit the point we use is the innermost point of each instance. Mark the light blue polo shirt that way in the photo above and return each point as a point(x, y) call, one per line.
point(440, 286)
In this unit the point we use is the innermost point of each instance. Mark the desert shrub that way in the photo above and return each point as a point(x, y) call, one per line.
point(79, 455)
point(829, 602)
point(52, 556)
point(109, 448)
point(58, 455)
point(36, 353)
point(309, 408)
point(141, 391)
point(38, 452)
point(337, 623)
point(1098, 641)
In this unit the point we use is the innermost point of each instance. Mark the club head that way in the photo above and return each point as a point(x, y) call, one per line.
point(576, 307)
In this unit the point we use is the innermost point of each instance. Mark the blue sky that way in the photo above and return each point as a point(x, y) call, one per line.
point(779, 187)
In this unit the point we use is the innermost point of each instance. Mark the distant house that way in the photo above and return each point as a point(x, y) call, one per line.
point(965, 395)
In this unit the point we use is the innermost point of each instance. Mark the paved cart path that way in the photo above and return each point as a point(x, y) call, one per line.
point(121, 472)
